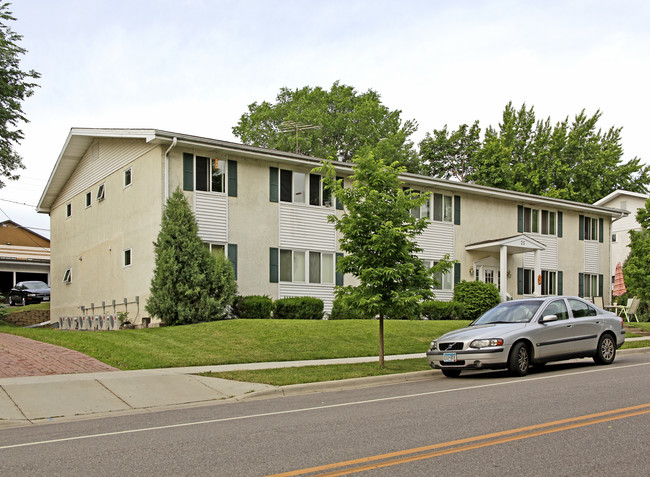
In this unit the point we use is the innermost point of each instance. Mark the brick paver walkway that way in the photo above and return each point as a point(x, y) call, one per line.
point(24, 357)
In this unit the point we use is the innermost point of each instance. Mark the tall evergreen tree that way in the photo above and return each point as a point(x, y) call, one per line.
point(189, 284)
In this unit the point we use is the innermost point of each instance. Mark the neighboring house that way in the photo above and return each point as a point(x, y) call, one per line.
point(24, 255)
point(632, 202)
point(268, 213)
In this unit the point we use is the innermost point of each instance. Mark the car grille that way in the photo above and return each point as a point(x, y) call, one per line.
point(450, 346)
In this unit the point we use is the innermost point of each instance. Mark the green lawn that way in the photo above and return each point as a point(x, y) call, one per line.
point(36, 306)
point(243, 341)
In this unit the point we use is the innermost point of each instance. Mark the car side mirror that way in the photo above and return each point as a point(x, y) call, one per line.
point(548, 318)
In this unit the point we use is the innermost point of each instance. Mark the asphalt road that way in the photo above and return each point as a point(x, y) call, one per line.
point(571, 419)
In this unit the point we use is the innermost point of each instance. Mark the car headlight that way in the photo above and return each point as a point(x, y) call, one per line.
point(433, 346)
point(31, 294)
point(487, 343)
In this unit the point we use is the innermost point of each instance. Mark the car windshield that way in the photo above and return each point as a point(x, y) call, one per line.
point(34, 285)
point(510, 312)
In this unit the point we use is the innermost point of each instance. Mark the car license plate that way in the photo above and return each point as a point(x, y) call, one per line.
point(46, 298)
point(449, 357)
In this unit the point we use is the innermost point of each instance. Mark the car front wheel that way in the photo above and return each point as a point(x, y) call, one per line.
point(606, 351)
point(519, 360)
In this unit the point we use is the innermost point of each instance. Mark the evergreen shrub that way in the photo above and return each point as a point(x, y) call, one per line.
point(298, 308)
point(253, 307)
point(442, 310)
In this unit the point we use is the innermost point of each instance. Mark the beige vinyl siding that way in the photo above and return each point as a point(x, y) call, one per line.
point(323, 291)
point(306, 227)
point(437, 240)
point(592, 256)
point(211, 211)
point(103, 158)
point(548, 257)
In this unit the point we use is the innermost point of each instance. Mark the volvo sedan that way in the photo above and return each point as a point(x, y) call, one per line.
point(530, 332)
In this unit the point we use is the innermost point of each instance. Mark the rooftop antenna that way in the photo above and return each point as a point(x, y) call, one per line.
point(291, 126)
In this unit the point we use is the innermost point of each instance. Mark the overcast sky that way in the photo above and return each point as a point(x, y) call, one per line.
point(193, 66)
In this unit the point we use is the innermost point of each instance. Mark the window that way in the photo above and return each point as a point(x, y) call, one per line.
point(590, 285)
point(209, 175)
point(286, 180)
point(318, 195)
point(614, 238)
point(101, 192)
point(548, 222)
point(445, 280)
point(529, 281)
point(549, 282)
point(89, 199)
point(67, 275)
point(127, 177)
point(590, 228)
point(442, 208)
point(537, 221)
point(299, 187)
point(299, 266)
point(215, 249)
point(557, 308)
point(580, 309)
point(127, 257)
point(68, 210)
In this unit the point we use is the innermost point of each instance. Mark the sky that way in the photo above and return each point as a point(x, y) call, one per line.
point(194, 66)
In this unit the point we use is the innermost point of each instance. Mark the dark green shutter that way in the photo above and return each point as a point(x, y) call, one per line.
point(601, 232)
point(520, 218)
point(232, 178)
point(274, 183)
point(559, 224)
point(560, 283)
point(339, 204)
point(581, 231)
point(188, 171)
point(456, 273)
point(520, 281)
point(339, 275)
point(457, 209)
point(601, 283)
point(581, 285)
point(274, 269)
point(232, 256)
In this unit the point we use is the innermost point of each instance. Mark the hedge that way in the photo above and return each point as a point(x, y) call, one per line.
point(442, 310)
point(298, 308)
point(253, 307)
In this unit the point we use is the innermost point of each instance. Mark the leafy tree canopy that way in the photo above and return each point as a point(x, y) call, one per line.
point(573, 160)
point(189, 284)
point(637, 266)
point(15, 86)
point(346, 123)
point(378, 237)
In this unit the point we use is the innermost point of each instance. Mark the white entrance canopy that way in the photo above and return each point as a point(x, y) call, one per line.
point(510, 246)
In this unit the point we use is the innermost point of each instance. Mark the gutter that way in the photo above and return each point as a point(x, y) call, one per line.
point(173, 144)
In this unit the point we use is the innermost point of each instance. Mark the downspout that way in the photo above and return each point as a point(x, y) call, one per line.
point(174, 142)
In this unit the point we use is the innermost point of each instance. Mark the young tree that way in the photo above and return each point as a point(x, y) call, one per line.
point(378, 235)
point(346, 123)
point(637, 266)
point(15, 86)
point(189, 284)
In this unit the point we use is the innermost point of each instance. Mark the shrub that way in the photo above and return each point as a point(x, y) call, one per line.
point(476, 298)
point(442, 310)
point(298, 308)
point(341, 310)
point(253, 307)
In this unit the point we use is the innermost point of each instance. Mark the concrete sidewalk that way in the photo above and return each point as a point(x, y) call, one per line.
point(36, 399)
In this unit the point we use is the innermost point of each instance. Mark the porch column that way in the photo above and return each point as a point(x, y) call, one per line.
point(503, 268)
point(538, 273)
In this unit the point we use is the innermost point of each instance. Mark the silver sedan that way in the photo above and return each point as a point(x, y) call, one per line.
point(532, 331)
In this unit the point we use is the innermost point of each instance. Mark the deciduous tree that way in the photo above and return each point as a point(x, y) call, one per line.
point(346, 123)
point(637, 266)
point(378, 238)
point(15, 86)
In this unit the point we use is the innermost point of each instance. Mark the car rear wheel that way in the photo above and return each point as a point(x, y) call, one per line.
point(519, 360)
point(451, 373)
point(606, 351)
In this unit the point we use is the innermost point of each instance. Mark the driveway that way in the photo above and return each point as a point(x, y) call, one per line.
point(24, 357)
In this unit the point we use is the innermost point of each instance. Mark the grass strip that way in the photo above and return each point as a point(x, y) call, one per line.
point(330, 372)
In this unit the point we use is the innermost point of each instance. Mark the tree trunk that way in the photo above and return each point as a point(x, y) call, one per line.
point(381, 341)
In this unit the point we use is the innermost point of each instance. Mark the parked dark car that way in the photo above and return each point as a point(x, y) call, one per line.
point(25, 293)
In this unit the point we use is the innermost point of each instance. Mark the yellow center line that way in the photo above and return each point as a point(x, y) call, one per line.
point(400, 457)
